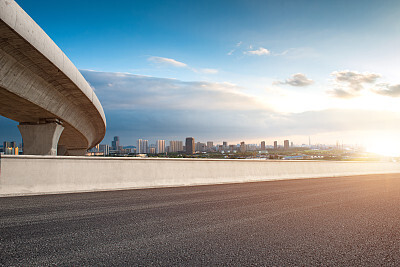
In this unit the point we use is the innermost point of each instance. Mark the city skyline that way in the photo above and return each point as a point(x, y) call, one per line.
point(142, 145)
point(249, 71)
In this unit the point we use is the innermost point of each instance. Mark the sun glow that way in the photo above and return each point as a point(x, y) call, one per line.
point(385, 145)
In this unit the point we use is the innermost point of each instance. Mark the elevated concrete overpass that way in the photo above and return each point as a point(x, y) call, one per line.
point(42, 90)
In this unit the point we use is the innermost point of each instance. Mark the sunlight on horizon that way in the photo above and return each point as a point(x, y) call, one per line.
point(384, 145)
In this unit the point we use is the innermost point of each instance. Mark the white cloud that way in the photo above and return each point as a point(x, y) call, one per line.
point(350, 83)
point(298, 79)
point(259, 52)
point(168, 61)
point(388, 90)
point(354, 79)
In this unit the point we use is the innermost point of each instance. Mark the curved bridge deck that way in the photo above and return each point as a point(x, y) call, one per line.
point(39, 84)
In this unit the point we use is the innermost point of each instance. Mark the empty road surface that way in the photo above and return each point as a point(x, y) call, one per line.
point(330, 221)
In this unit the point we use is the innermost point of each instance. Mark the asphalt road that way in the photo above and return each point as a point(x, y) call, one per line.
point(329, 221)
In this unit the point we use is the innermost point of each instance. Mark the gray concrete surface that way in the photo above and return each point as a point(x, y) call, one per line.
point(47, 174)
point(351, 221)
point(38, 82)
point(41, 139)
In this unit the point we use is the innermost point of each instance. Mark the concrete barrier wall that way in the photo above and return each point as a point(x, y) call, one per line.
point(47, 174)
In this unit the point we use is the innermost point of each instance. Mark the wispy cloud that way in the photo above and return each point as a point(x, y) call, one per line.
point(298, 79)
point(167, 61)
point(296, 53)
point(238, 44)
point(261, 51)
point(178, 64)
point(209, 71)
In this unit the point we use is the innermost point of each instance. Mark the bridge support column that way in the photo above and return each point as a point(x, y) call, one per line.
point(42, 138)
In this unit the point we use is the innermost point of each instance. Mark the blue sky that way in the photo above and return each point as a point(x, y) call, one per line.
point(235, 70)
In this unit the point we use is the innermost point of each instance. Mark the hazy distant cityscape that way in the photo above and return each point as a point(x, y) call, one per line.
point(190, 148)
point(283, 149)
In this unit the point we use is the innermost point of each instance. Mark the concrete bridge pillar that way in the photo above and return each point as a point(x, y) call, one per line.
point(42, 138)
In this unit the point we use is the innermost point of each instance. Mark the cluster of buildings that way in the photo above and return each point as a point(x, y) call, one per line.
point(143, 147)
point(189, 147)
point(10, 148)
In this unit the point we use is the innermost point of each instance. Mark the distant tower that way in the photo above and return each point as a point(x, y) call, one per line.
point(145, 146)
point(275, 144)
point(225, 144)
point(262, 145)
point(139, 146)
point(190, 145)
point(105, 149)
point(210, 145)
point(286, 144)
point(242, 147)
point(175, 146)
point(160, 146)
point(231, 148)
point(115, 143)
point(142, 146)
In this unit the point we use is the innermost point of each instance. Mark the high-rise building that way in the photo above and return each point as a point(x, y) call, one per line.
point(190, 146)
point(145, 146)
point(210, 145)
point(220, 148)
point(286, 144)
point(138, 146)
point(225, 144)
point(152, 150)
point(142, 146)
point(9, 144)
point(232, 148)
point(262, 145)
point(105, 149)
point(115, 143)
point(160, 146)
point(275, 144)
point(242, 147)
point(175, 146)
point(10, 148)
point(200, 147)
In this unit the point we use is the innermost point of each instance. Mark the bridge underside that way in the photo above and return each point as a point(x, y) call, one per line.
point(24, 111)
point(42, 90)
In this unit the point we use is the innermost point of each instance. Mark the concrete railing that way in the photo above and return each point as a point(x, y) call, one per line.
point(48, 174)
